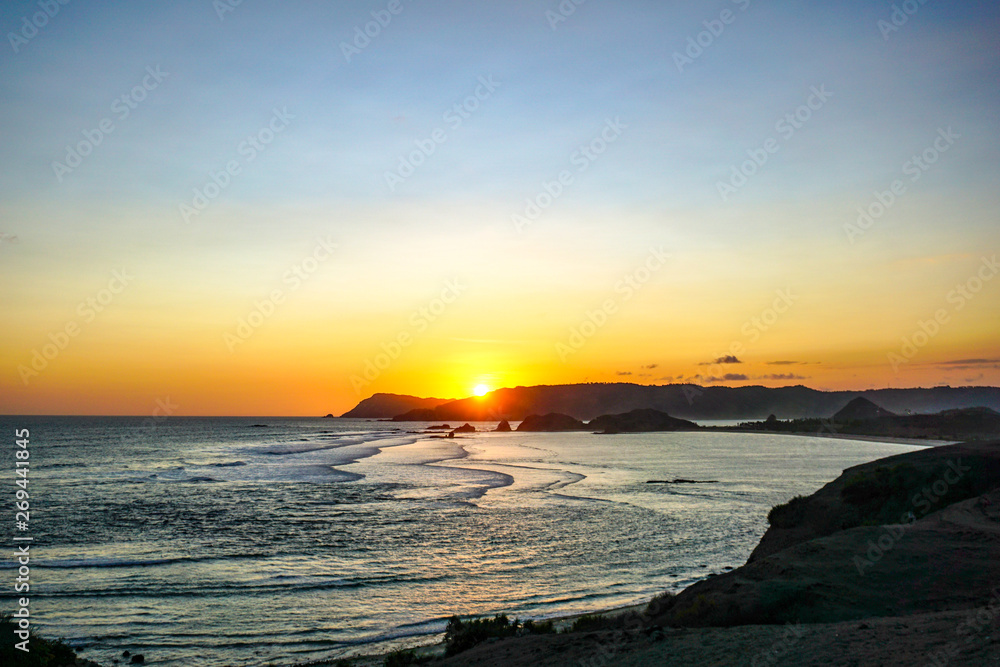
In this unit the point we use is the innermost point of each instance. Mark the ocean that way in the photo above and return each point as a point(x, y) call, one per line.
point(210, 542)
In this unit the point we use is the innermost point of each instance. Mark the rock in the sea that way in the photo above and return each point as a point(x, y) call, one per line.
point(503, 426)
point(138, 659)
point(438, 427)
point(465, 428)
point(328, 416)
point(553, 421)
point(640, 421)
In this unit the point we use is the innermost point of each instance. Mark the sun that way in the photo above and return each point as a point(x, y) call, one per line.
point(481, 390)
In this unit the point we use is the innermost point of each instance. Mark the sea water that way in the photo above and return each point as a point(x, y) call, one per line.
point(210, 542)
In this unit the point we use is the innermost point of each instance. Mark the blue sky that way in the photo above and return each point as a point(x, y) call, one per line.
point(351, 121)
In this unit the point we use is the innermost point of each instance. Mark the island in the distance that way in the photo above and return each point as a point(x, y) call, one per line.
point(686, 401)
point(939, 413)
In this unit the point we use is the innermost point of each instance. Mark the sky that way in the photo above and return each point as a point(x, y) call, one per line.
point(281, 208)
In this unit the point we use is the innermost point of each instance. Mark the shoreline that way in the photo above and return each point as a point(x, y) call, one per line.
point(433, 646)
point(887, 439)
point(436, 648)
point(831, 606)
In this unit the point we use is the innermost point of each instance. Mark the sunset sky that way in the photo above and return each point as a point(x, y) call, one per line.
point(259, 209)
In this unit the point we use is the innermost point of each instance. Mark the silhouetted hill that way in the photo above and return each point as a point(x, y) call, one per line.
point(860, 408)
point(962, 424)
point(868, 544)
point(381, 406)
point(639, 421)
point(688, 401)
point(551, 422)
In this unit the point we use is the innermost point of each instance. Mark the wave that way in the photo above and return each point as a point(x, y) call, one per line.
point(74, 563)
point(238, 589)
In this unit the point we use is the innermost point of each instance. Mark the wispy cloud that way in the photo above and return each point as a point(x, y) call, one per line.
point(728, 359)
point(728, 377)
point(968, 363)
point(783, 376)
point(917, 262)
point(490, 341)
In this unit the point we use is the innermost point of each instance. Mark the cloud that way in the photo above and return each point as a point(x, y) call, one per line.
point(624, 373)
point(783, 363)
point(969, 363)
point(783, 376)
point(652, 366)
point(728, 359)
point(728, 377)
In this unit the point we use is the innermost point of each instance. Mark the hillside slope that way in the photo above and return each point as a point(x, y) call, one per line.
point(687, 401)
point(383, 406)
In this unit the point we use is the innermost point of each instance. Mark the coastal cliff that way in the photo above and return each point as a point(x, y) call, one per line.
point(896, 562)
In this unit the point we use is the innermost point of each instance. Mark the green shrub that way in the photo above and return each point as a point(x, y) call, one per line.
point(588, 623)
point(594, 622)
point(698, 613)
point(541, 628)
point(403, 659)
point(788, 515)
point(43, 653)
point(462, 635)
point(660, 604)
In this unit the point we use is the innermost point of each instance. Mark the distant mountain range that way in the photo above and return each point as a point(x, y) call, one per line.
point(685, 401)
point(383, 406)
